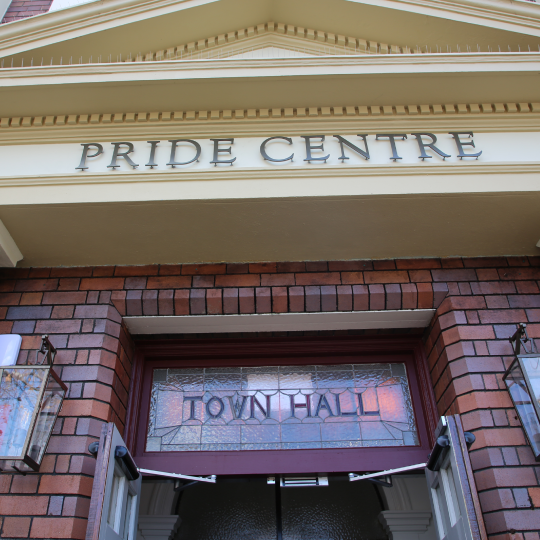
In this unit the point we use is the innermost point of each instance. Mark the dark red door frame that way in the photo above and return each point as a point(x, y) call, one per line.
point(152, 353)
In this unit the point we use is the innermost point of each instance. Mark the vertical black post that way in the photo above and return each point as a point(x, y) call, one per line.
point(279, 524)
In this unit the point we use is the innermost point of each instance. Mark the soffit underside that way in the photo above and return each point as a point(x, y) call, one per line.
point(269, 83)
point(278, 229)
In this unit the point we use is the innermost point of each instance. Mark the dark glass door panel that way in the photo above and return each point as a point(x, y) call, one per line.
point(247, 509)
point(242, 510)
point(339, 511)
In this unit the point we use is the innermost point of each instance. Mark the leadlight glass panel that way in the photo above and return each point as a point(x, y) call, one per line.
point(286, 407)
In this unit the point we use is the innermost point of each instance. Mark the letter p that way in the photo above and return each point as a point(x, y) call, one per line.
point(86, 146)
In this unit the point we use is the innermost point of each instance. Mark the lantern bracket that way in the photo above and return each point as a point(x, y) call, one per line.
point(520, 338)
point(47, 349)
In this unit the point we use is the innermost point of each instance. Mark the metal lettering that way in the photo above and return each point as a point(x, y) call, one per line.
point(344, 142)
point(460, 144)
point(151, 160)
point(218, 150)
point(117, 154)
point(172, 159)
point(392, 138)
point(310, 147)
point(267, 157)
point(423, 156)
point(99, 150)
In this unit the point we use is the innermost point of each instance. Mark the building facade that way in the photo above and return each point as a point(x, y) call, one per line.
point(273, 250)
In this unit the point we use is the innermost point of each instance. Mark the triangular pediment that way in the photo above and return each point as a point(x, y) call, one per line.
point(270, 40)
point(116, 30)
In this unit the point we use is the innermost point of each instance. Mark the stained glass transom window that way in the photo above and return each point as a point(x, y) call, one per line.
point(285, 407)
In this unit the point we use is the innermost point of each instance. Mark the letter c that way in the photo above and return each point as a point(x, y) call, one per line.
point(267, 157)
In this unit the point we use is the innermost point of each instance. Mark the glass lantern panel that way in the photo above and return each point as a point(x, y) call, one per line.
point(50, 407)
point(517, 386)
point(19, 395)
point(531, 364)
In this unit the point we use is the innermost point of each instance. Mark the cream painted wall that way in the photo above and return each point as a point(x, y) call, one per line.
point(38, 174)
point(62, 159)
point(255, 210)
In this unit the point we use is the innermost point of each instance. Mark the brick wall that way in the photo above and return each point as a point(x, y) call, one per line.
point(21, 9)
point(478, 300)
point(468, 352)
point(94, 359)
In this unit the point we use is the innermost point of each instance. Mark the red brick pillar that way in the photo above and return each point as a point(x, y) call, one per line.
point(94, 360)
point(468, 353)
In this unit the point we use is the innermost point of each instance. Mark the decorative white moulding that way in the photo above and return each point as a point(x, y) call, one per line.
point(523, 382)
point(30, 399)
point(10, 345)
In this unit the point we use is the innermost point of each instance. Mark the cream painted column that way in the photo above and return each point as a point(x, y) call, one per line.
point(158, 527)
point(10, 254)
point(156, 518)
point(409, 510)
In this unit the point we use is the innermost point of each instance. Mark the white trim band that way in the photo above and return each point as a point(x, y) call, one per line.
point(280, 322)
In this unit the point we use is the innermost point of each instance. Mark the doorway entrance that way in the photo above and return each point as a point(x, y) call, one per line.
point(250, 508)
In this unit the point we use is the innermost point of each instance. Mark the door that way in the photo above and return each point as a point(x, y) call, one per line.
point(262, 508)
point(451, 485)
point(114, 506)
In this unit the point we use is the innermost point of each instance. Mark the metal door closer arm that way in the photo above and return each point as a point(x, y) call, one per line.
point(132, 472)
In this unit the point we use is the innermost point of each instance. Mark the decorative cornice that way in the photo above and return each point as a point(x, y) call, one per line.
point(506, 112)
point(316, 41)
point(309, 41)
point(271, 174)
point(326, 65)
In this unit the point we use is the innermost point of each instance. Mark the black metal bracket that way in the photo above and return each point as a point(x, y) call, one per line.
point(441, 449)
point(385, 483)
point(47, 349)
point(93, 448)
point(124, 459)
point(179, 486)
point(520, 338)
point(439, 453)
point(470, 438)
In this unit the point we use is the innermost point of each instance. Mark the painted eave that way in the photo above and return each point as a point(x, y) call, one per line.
point(95, 17)
point(318, 67)
point(232, 84)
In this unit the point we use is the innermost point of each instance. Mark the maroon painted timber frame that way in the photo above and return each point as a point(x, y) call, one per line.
point(155, 353)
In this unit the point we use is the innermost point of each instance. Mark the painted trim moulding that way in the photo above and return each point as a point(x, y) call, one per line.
point(280, 322)
point(270, 174)
point(263, 127)
point(330, 66)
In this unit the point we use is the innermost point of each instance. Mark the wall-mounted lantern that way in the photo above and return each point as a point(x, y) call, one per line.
point(30, 399)
point(523, 382)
